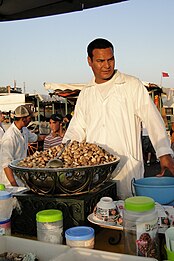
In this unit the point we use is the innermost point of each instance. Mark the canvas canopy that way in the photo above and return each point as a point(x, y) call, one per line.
point(63, 86)
point(11, 102)
point(23, 9)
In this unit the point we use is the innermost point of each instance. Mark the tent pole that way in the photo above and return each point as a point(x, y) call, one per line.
point(38, 106)
point(66, 106)
point(53, 108)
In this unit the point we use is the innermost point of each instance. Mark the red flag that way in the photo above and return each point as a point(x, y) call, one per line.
point(164, 74)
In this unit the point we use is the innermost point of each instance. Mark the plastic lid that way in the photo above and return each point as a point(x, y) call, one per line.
point(4, 221)
point(5, 195)
point(139, 204)
point(79, 233)
point(49, 215)
point(2, 187)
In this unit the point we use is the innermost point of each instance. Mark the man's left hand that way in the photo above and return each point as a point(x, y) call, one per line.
point(166, 162)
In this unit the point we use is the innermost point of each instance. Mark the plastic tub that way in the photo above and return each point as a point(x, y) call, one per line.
point(6, 205)
point(161, 189)
point(50, 226)
point(80, 236)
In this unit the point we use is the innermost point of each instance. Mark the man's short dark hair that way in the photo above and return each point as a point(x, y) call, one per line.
point(98, 43)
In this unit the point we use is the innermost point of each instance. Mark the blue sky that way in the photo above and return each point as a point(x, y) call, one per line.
point(53, 49)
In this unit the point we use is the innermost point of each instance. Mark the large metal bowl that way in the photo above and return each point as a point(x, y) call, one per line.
point(64, 181)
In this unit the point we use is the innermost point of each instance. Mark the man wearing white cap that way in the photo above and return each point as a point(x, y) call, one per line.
point(15, 144)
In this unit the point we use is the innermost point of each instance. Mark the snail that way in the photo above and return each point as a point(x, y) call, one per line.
point(76, 154)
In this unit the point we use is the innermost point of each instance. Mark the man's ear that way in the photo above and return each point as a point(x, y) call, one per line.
point(89, 61)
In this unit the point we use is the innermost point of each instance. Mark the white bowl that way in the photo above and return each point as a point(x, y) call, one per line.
point(105, 210)
point(106, 203)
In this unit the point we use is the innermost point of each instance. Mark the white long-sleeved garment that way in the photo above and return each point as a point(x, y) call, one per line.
point(113, 122)
point(14, 146)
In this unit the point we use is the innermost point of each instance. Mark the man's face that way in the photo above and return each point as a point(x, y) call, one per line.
point(102, 64)
point(54, 126)
point(27, 120)
point(1, 117)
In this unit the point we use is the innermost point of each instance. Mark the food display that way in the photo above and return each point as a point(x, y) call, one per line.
point(76, 154)
point(86, 167)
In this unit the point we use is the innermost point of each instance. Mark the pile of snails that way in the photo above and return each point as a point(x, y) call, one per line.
point(76, 154)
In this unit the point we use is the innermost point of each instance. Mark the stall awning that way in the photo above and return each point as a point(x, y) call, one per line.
point(43, 98)
point(64, 89)
point(63, 86)
point(23, 9)
point(9, 102)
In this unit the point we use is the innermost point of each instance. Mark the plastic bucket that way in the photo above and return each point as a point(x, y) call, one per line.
point(161, 189)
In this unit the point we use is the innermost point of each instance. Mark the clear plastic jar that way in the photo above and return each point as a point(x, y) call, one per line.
point(50, 226)
point(140, 224)
point(80, 236)
point(6, 205)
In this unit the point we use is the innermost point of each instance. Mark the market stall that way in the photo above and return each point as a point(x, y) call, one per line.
point(75, 191)
point(67, 91)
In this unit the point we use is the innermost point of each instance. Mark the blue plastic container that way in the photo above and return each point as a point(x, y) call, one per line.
point(80, 236)
point(161, 189)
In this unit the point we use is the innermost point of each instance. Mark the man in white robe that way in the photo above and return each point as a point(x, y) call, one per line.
point(15, 144)
point(109, 111)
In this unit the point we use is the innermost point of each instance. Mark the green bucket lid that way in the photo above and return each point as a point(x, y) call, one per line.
point(49, 215)
point(139, 204)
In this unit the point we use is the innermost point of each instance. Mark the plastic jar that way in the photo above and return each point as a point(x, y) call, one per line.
point(5, 228)
point(50, 226)
point(140, 226)
point(6, 205)
point(80, 236)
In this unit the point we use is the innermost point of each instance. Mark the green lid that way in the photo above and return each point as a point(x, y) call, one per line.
point(49, 215)
point(2, 187)
point(139, 204)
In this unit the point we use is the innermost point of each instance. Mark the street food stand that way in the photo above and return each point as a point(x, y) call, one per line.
point(74, 190)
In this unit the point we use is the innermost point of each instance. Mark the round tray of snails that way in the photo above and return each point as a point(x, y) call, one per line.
point(86, 166)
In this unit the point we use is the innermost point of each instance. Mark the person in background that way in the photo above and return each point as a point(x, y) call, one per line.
point(109, 111)
point(148, 149)
point(15, 144)
point(2, 130)
point(66, 120)
point(57, 133)
point(172, 132)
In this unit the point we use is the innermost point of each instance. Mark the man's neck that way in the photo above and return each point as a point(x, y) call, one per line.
point(18, 125)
